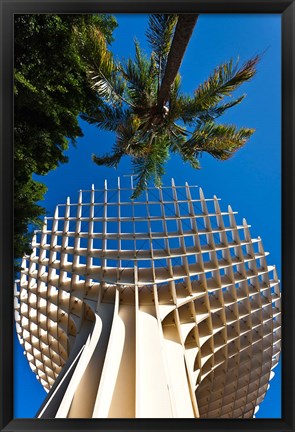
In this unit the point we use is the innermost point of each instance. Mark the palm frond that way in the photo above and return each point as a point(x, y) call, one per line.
point(225, 79)
point(132, 138)
point(176, 135)
point(191, 159)
point(185, 108)
point(151, 166)
point(177, 139)
point(174, 98)
point(220, 141)
point(218, 110)
point(111, 87)
point(188, 110)
point(109, 159)
point(126, 142)
point(104, 71)
point(206, 104)
point(140, 78)
point(160, 35)
point(107, 117)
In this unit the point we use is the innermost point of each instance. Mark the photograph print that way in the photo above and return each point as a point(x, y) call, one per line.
point(147, 216)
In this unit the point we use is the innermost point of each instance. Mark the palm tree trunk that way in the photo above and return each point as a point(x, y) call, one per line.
point(183, 31)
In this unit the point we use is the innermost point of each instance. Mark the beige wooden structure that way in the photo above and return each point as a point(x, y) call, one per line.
point(158, 307)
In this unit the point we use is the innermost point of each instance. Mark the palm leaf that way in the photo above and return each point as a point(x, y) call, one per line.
point(225, 79)
point(159, 35)
point(132, 138)
point(126, 143)
point(220, 141)
point(205, 104)
point(176, 137)
point(110, 88)
point(218, 110)
point(109, 159)
point(190, 111)
point(104, 70)
point(151, 166)
point(140, 77)
point(174, 98)
point(107, 117)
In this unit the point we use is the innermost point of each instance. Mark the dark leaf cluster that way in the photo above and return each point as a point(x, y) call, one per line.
point(52, 57)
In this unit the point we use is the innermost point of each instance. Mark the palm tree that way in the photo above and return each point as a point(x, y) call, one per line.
point(143, 104)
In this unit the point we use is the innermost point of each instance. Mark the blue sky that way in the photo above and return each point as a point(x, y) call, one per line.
point(249, 182)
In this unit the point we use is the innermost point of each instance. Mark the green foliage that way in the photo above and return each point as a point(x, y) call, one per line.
point(26, 212)
point(159, 35)
point(52, 57)
point(220, 141)
point(151, 165)
point(149, 133)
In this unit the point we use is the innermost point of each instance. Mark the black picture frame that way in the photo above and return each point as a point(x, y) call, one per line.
point(287, 10)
